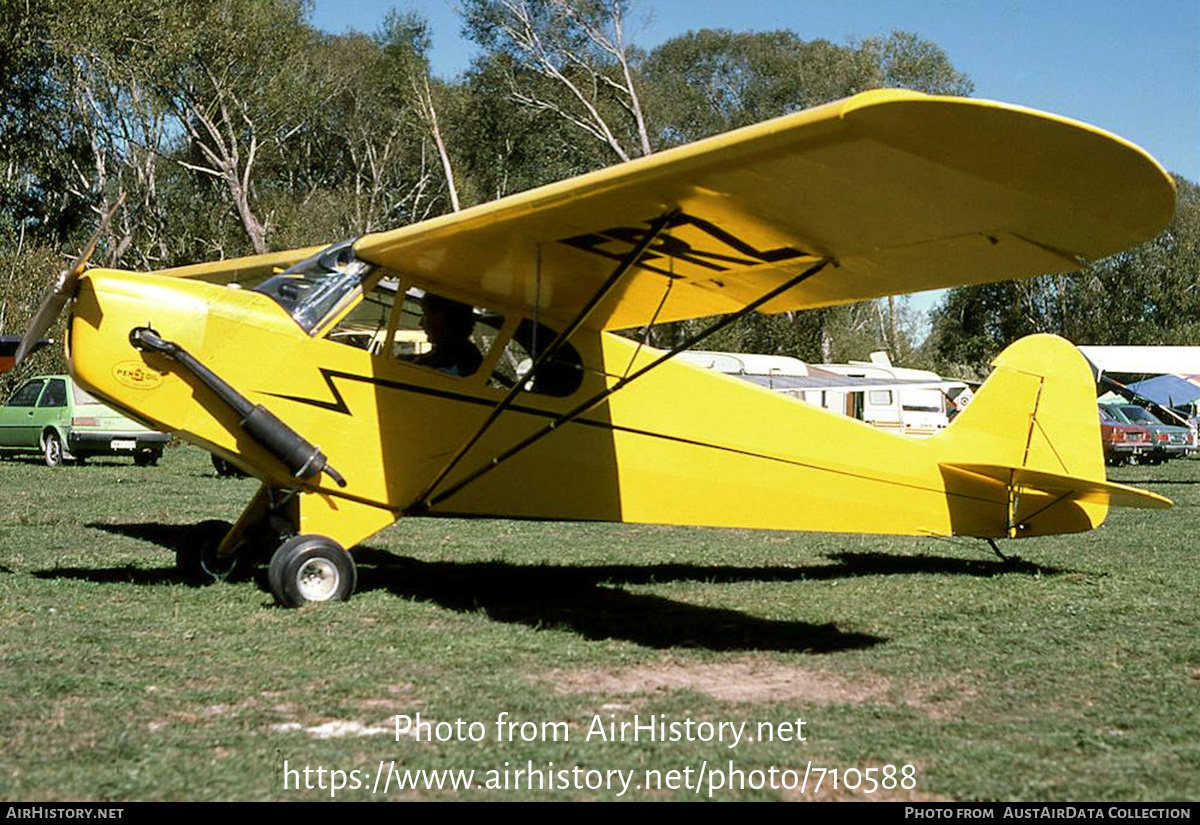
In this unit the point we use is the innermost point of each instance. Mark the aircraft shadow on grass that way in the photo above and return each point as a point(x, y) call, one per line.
point(588, 600)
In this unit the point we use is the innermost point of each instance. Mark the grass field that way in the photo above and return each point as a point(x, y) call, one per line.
point(1073, 675)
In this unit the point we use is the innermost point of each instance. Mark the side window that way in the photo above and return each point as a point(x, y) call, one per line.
point(880, 398)
point(434, 331)
point(559, 377)
point(27, 395)
point(55, 394)
point(459, 339)
point(450, 336)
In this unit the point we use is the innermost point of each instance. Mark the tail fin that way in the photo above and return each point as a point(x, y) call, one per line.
point(1033, 428)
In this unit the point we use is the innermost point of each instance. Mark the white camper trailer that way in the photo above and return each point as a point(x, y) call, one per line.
point(915, 403)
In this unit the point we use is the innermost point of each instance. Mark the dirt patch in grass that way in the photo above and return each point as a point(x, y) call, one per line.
point(336, 729)
point(761, 680)
point(740, 680)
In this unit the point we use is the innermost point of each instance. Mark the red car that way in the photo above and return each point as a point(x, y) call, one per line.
point(1123, 442)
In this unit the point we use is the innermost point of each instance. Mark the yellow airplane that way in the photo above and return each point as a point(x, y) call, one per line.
point(518, 401)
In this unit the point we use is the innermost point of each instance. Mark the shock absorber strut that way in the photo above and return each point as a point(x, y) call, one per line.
point(302, 458)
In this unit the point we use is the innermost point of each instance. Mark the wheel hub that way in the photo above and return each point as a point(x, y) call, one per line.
point(318, 580)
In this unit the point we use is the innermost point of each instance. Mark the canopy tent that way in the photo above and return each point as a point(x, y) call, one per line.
point(1167, 390)
point(1144, 360)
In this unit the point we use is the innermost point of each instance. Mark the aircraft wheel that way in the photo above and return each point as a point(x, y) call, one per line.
point(52, 449)
point(311, 569)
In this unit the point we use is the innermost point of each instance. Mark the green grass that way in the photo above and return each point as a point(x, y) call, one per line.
point(1073, 675)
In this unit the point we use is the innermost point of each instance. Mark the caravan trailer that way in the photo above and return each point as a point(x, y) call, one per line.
point(915, 403)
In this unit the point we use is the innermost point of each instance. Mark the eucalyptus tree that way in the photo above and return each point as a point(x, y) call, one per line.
point(43, 144)
point(571, 59)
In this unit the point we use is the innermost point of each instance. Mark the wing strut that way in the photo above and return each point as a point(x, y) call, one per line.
point(657, 227)
point(427, 501)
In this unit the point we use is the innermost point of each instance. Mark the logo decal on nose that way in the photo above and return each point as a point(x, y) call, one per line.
point(136, 375)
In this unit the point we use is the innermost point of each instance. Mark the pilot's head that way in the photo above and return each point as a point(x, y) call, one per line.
point(444, 320)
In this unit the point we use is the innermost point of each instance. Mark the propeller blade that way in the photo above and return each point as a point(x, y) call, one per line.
point(64, 289)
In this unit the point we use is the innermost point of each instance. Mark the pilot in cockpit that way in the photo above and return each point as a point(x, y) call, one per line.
point(448, 325)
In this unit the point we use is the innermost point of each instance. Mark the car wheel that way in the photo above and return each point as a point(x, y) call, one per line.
point(52, 449)
point(311, 568)
point(147, 458)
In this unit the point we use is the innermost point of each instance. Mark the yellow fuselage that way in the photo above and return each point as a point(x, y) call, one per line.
point(679, 445)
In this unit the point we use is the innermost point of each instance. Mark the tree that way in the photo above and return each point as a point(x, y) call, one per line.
point(710, 81)
point(569, 58)
point(42, 144)
point(236, 79)
point(368, 155)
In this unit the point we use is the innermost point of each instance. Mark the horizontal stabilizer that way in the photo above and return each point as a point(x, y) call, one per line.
point(1062, 486)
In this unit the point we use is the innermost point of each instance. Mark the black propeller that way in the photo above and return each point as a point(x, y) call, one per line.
point(64, 289)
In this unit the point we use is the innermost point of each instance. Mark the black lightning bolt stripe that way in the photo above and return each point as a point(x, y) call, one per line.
point(339, 405)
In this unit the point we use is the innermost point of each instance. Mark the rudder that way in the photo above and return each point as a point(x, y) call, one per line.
point(1033, 420)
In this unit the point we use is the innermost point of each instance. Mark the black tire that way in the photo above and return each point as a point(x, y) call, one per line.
point(147, 458)
point(52, 449)
point(311, 569)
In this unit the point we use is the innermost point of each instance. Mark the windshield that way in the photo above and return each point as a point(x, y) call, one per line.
point(313, 288)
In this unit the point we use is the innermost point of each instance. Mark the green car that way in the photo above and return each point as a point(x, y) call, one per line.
point(52, 416)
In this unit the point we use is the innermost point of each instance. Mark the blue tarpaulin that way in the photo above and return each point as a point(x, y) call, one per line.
point(1167, 390)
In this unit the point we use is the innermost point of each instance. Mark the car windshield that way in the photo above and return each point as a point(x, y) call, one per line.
point(313, 288)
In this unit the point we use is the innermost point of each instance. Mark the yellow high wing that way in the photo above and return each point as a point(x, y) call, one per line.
point(898, 191)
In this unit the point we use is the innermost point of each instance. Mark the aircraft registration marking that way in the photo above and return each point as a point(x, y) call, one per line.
point(720, 251)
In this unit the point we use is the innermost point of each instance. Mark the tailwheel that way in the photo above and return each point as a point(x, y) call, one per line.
point(311, 568)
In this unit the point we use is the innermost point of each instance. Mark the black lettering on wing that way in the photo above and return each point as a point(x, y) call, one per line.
point(725, 252)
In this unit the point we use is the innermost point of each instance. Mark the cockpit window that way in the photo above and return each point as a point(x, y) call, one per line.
point(430, 330)
point(313, 288)
point(560, 376)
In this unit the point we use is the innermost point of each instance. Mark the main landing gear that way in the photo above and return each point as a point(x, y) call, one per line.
point(306, 568)
point(311, 569)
